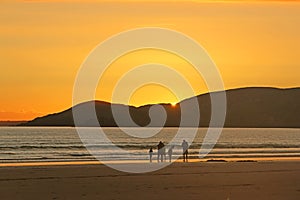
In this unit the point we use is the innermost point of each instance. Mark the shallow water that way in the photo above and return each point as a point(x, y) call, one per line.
point(22, 144)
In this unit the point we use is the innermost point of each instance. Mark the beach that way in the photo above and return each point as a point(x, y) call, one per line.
point(197, 180)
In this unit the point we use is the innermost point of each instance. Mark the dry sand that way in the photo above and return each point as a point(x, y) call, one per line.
point(184, 181)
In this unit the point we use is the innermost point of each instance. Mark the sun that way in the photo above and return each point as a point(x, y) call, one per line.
point(173, 104)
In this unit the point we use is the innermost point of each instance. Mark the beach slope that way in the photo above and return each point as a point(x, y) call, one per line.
point(231, 180)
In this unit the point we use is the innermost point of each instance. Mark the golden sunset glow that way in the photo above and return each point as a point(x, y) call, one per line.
point(149, 93)
point(43, 44)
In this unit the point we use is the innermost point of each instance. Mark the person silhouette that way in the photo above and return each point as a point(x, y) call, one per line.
point(170, 152)
point(160, 151)
point(150, 154)
point(164, 153)
point(185, 152)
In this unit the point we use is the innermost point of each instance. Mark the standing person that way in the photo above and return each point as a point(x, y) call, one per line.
point(150, 154)
point(164, 153)
point(160, 151)
point(185, 147)
point(170, 152)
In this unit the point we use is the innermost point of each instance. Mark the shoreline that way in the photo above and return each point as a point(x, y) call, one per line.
point(96, 162)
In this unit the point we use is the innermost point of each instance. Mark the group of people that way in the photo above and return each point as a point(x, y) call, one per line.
point(161, 152)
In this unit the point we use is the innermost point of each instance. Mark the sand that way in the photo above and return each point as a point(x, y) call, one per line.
point(230, 180)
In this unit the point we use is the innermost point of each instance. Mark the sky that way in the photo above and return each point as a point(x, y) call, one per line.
point(44, 43)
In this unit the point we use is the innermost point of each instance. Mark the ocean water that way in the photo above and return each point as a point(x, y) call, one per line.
point(27, 144)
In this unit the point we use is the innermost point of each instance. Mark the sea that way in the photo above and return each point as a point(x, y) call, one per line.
point(39, 144)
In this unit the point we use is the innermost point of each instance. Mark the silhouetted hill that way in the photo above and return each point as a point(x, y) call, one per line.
point(11, 123)
point(246, 107)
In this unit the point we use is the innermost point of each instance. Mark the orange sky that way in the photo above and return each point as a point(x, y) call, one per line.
point(43, 43)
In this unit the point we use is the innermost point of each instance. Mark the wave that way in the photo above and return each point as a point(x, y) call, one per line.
point(41, 147)
point(140, 147)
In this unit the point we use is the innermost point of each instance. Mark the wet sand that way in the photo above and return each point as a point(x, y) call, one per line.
point(199, 180)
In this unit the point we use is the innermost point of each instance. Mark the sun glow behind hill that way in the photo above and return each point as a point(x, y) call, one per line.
point(150, 93)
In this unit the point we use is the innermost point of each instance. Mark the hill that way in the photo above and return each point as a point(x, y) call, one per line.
point(11, 123)
point(246, 107)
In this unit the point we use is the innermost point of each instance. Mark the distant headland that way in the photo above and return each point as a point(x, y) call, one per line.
point(255, 107)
